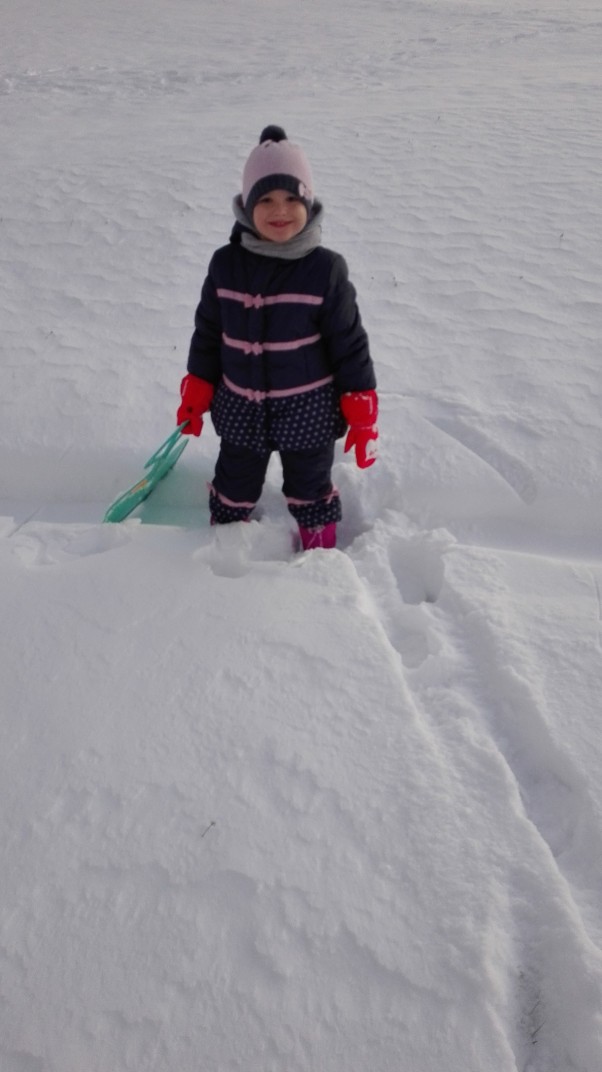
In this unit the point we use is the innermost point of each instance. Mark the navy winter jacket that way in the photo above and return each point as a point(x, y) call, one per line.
point(281, 340)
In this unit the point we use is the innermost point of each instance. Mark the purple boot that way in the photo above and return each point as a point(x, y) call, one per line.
point(326, 536)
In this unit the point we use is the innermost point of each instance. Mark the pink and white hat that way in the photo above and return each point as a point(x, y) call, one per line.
point(276, 164)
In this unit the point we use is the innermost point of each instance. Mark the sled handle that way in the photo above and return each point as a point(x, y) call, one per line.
point(162, 451)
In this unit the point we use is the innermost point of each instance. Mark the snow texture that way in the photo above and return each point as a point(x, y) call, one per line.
point(340, 811)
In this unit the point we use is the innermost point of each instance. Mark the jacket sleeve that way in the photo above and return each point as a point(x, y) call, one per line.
point(204, 358)
point(343, 334)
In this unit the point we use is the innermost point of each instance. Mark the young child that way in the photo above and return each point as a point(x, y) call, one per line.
point(279, 353)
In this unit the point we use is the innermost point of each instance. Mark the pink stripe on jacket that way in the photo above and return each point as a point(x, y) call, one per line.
point(285, 392)
point(258, 301)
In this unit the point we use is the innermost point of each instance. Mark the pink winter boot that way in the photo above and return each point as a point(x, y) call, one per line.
point(326, 536)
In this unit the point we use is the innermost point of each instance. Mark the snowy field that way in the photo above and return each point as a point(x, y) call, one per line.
point(339, 811)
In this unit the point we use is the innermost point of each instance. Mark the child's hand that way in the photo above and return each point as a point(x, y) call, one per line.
point(197, 395)
point(360, 410)
point(364, 440)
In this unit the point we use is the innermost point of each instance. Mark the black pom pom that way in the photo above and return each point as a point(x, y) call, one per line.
point(272, 133)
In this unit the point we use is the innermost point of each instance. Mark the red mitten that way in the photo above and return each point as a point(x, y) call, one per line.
point(196, 395)
point(360, 410)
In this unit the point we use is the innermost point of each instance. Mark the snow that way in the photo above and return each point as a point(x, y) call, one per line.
point(278, 812)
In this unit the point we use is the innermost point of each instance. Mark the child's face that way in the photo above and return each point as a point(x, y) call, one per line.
point(279, 215)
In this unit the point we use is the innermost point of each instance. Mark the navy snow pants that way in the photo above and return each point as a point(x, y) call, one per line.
point(307, 485)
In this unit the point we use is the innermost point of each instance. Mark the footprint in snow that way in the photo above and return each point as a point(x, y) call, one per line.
point(404, 572)
point(235, 548)
point(418, 570)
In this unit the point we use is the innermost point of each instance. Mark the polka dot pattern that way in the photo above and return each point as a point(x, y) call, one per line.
point(316, 514)
point(299, 422)
point(222, 514)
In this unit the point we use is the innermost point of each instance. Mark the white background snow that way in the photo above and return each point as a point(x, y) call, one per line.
point(340, 811)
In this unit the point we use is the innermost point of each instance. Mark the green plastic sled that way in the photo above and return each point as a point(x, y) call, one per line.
point(158, 466)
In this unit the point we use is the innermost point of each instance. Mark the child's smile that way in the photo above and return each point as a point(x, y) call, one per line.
point(278, 216)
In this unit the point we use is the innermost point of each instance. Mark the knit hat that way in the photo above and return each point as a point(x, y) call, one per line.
point(276, 164)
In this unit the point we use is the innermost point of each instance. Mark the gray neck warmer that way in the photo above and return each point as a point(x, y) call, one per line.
point(307, 240)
